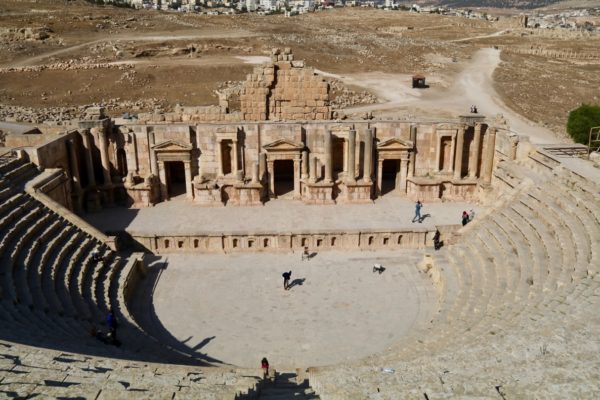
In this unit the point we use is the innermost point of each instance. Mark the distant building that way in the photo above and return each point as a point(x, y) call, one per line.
point(251, 5)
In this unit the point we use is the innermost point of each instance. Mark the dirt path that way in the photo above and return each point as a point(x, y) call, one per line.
point(495, 34)
point(154, 37)
point(474, 85)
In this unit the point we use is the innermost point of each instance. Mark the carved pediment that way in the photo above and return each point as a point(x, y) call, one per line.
point(446, 127)
point(171, 146)
point(395, 144)
point(283, 145)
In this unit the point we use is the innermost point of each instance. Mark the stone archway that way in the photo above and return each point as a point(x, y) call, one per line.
point(167, 155)
point(280, 154)
point(395, 154)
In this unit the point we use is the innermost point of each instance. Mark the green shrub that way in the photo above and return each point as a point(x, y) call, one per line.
point(581, 120)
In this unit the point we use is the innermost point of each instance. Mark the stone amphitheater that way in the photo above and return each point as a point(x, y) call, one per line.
point(515, 292)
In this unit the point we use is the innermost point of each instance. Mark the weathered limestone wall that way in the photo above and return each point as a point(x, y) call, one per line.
point(363, 240)
point(284, 90)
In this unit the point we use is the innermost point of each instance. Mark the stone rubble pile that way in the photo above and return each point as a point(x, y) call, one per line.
point(8, 35)
point(62, 115)
point(70, 65)
point(343, 97)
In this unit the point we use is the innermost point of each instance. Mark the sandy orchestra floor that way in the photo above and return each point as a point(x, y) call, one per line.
point(233, 308)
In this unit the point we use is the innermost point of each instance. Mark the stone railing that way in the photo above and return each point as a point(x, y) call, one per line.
point(277, 241)
point(35, 188)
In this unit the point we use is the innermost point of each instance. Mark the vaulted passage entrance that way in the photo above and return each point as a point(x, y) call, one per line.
point(175, 174)
point(284, 177)
point(389, 175)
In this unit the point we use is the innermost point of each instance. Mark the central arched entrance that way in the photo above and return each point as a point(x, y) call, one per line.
point(284, 178)
point(175, 174)
point(389, 178)
point(283, 168)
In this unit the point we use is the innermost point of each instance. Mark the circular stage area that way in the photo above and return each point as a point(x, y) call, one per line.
point(233, 308)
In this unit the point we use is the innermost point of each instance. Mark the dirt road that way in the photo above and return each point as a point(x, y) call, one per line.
point(474, 85)
point(154, 37)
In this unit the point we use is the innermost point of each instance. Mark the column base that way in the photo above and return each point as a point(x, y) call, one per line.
point(318, 193)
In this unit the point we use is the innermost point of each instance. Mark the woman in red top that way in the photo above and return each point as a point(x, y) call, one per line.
point(264, 364)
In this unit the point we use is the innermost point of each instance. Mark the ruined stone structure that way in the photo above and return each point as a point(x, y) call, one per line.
point(284, 145)
point(512, 287)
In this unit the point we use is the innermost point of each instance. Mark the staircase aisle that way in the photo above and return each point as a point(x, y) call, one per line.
point(285, 387)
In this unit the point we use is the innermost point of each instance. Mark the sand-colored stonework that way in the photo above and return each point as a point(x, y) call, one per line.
point(507, 307)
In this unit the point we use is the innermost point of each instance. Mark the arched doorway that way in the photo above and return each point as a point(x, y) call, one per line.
point(389, 178)
point(175, 174)
point(284, 177)
point(122, 162)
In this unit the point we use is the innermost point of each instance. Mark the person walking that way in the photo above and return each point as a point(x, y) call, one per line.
point(465, 218)
point(436, 240)
point(264, 364)
point(286, 280)
point(418, 207)
point(111, 321)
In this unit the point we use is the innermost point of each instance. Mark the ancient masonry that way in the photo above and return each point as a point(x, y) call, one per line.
point(281, 144)
point(517, 289)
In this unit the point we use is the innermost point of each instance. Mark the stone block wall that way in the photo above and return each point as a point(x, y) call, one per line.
point(284, 90)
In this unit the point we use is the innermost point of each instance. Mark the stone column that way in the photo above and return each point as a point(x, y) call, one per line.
point(460, 143)
point(368, 156)
point(296, 178)
point(490, 148)
point(438, 153)
point(271, 172)
point(345, 150)
point(219, 158)
point(474, 159)
point(162, 176)
point(412, 155)
point(328, 166)
point(351, 156)
point(255, 172)
point(262, 166)
point(104, 157)
point(452, 152)
point(319, 169)
point(189, 193)
point(313, 169)
point(379, 177)
point(234, 146)
point(134, 156)
point(89, 163)
point(304, 164)
point(403, 172)
point(153, 160)
point(74, 166)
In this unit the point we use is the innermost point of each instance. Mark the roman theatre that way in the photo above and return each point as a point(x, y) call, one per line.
point(196, 214)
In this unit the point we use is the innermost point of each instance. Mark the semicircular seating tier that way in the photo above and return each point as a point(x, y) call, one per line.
point(518, 307)
point(53, 292)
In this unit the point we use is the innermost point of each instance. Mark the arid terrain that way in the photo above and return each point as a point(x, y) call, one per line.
point(59, 56)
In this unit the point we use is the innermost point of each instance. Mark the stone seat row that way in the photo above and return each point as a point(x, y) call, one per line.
point(53, 291)
point(518, 276)
point(29, 372)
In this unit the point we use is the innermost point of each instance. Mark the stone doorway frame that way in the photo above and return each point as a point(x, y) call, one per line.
point(284, 149)
point(394, 149)
point(172, 150)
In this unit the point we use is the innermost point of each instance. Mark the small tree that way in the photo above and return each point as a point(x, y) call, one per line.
point(581, 120)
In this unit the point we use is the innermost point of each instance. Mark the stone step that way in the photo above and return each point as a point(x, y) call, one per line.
point(10, 236)
point(19, 253)
point(59, 270)
point(84, 256)
point(9, 204)
point(11, 164)
point(86, 282)
point(32, 260)
point(45, 265)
